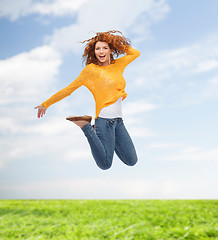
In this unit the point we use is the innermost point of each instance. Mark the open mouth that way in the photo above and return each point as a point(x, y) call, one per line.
point(102, 57)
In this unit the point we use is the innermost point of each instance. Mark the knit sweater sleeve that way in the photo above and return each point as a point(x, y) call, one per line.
point(78, 82)
point(131, 55)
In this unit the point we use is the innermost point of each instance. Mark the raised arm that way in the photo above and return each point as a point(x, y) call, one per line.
point(131, 55)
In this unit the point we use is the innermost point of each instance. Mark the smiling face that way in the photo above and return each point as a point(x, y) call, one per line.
point(102, 53)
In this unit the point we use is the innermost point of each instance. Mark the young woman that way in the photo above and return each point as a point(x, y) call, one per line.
point(103, 76)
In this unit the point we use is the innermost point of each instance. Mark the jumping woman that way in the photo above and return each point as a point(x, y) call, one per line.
point(103, 76)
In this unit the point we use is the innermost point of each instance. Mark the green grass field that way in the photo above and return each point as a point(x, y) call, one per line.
point(109, 219)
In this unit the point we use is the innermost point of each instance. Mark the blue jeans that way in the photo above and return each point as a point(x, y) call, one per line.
point(110, 135)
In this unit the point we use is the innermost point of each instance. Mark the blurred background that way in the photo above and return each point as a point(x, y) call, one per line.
point(170, 111)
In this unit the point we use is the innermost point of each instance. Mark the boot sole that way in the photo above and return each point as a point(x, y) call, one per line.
point(79, 118)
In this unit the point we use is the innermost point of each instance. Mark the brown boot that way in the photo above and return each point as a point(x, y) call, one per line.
point(79, 118)
point(80, 121)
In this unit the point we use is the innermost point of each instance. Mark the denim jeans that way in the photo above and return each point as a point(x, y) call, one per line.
point(110, 135)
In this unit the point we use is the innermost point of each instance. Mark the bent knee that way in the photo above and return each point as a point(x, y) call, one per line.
point(132, 161)
point(104, 166)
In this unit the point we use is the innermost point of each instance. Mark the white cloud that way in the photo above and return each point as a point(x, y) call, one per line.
point(155, 11)
point(138, 107)
point(28, 74)
point(179, 77)
point(91, 13)
point(167, 67)
point(15, 9)
point(90, 19)
point(7, 125)
point(206, 65)
point(24, 79)
point(52, 137)
point(211, 89)
point(198, 188)
point(133, 113)
point(77, 154)
point(57, 7)
point(164, 145)
point(190, 150)
point(192, 154)
point(138, 130)
point(98, 188)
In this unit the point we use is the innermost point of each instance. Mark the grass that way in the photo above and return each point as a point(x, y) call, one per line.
point(109, 219)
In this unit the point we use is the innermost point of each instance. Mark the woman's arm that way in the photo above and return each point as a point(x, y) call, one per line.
point(62, 93)
point(131, 55)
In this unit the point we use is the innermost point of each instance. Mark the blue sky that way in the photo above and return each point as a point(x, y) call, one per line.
point(170, 112)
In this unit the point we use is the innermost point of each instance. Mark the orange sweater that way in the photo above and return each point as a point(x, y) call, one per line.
point(106, 83)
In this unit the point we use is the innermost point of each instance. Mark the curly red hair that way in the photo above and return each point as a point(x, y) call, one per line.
point(117, 44)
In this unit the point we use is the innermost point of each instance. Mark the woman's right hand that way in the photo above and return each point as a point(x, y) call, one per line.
point(41, 110)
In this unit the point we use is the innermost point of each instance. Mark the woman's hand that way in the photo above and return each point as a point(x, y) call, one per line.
point(41, 110)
